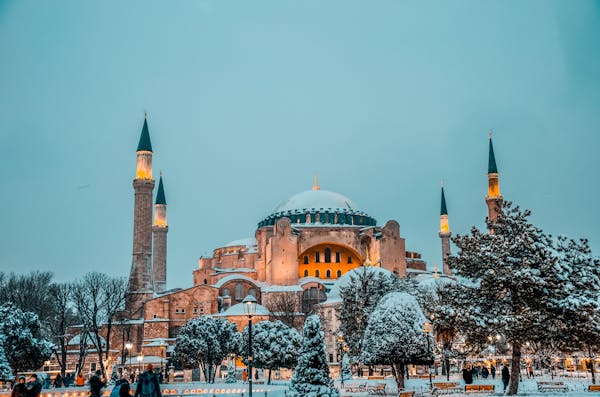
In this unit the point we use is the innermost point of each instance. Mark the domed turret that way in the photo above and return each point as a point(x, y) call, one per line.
point(319, 208)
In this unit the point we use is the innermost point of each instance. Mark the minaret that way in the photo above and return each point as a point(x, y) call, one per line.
point(159, 231)
point(445, 234)
point(493, 199)
point(140, 281)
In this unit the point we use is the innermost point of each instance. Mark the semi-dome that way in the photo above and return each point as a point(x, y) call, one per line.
point(319, 208)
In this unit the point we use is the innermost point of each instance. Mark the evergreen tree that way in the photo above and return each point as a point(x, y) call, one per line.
point(23, 346)
point(311, 375)
point(231, 372)
point(508, 278)
point(345, 371)
point(274, 345)
point(359, 297)
point(395, 335)
point(206, 341)
point(5, 369)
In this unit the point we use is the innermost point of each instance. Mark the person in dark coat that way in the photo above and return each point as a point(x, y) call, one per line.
point(19, 390)
point(147, 384)
point(467, 375)
point(493, 371)
point(96, 384)
point(34, 387)
point(124, 390)
point(505, 376)
point(58, 381)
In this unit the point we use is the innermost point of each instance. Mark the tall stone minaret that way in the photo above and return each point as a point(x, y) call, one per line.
point(159, 231)
point(140, 281)
point(493, 198)
point(445, 234)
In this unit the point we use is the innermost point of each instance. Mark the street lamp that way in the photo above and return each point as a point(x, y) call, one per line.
point(129, 346)
point(140, 359)
point(249, 309)
point(427, 328)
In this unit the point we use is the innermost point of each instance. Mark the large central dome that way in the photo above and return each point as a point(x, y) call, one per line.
point(319, 208)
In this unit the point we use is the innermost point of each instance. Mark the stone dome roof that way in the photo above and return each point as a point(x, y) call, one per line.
point(319, 208)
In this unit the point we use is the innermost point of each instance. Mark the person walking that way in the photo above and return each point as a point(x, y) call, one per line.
point(493, 371)
point(19, 389)
point(96, 384)
point(467, 375)
point(34, 387)
point(79, 380)
point(147, 385)
point(58, 381)
point(530, 371)
point(505, 376)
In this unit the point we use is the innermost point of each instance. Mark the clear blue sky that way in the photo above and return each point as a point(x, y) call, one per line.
point(248, 99)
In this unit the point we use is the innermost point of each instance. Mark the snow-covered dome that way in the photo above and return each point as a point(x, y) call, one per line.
point(319, 207)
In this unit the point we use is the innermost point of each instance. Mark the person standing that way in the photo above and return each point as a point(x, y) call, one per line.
point(19, 390)
point(58, 381)
point(147, 385)
point(530, 371)
point(493, 371)
point(79, 380)
point(467, 375)
point(34, 387)
point(505, 376)
point(96, 384)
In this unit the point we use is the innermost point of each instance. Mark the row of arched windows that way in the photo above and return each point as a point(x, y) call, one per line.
point(326, 257)
point(321, 217)
point(327, 273)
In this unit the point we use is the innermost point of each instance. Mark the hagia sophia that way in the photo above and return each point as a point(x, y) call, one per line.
point(304, 250)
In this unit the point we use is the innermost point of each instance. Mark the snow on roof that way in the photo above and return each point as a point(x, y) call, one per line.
point(219, 270)
point(282, 288)
point(238, 310)
point(249, 242)
point(76, 340)
point(226, 279)
point(316, 199)
point(334, 292)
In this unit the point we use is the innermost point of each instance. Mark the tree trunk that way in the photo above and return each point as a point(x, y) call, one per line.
point(515, 369)
point(592, 365)
point(398, 370)
point(269, 381)
point(447, 362)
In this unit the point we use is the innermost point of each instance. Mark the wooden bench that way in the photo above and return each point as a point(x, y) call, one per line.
point(405, 393)
point(377, 389)
point(594, 388)
point(446, 387)
point(355, 387)
point(552, 386)
point(375, 377)
point(479, 388)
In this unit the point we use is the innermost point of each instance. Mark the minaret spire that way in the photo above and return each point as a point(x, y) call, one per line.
point(445, 234)
point(316, 183)
point(159, 232)
point(493, 198)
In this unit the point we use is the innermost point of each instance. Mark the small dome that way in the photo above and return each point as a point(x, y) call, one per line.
point(319, 207)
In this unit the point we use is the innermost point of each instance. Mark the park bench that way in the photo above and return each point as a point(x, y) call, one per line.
point(425, 376)
point(355, 387)
point(594, 388)
point(406, 393)
point(479, 388)
point(552, 386)
point(375, 377)
point(377, 389)
point(446, 387)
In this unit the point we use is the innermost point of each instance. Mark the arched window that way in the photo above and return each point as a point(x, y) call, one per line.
point(306, 273)
point(349, 259)
point(226, 292)
point(327, 255)
point(316, 273)
point(311, 297)
point(317, 257)
point(205, 281)
point(239, 292)
point(306, 259)
point(252, 292)
point(337, 257)
point(339, 273)
point(328, 273)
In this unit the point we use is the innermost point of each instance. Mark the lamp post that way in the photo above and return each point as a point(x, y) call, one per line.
point(140, 359)
point(249, 309)
point(341, 356)
point(129, 346)
point(427, 328)
point(163, 348)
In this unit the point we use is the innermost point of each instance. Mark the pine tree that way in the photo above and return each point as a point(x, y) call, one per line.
point(311, 375)
point(395, 335)
point(508, 278)
point(231, 372)
point(5, 369)
point(346, 371)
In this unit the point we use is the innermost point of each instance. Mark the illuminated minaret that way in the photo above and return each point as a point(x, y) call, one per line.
point(159, 231)
point(445, 234)
point(493, 198)
point(140, 278)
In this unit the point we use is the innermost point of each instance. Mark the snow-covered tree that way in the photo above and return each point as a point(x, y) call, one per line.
point(508, 278)
point(206, 341)
point(231, 373)
point(274, 345)
point(5, 369)
point(311, 375)
point(345, 371)
point(395, 334)
point(359, 297)
point(23, 346)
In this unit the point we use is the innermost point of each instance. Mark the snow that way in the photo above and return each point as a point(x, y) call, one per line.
point(226, 279)
point(316, 199)
point(282, 288)
point(238, 310)
point(334, 292)
point(221, 270)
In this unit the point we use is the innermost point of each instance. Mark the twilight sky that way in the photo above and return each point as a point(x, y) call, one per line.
point(247, 100)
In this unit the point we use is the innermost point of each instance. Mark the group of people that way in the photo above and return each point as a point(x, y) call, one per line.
point(32, 388)
point(472, 371)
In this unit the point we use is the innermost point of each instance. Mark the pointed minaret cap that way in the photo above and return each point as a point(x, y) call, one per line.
point(160, 194)
point(443, 209)
point(316, 183)
point(492, 169)
point(145, 145)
